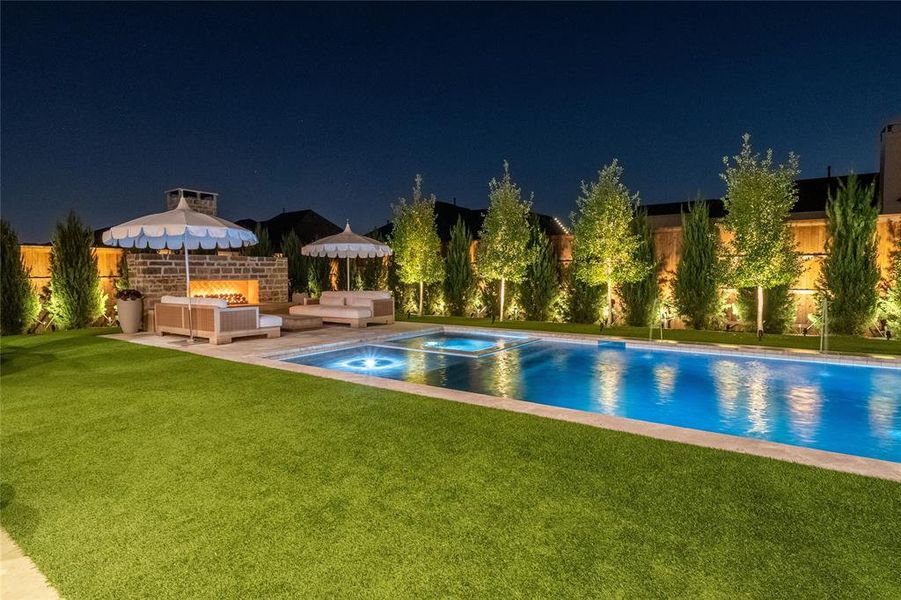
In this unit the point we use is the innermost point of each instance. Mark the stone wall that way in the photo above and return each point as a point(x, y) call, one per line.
point(158, 275)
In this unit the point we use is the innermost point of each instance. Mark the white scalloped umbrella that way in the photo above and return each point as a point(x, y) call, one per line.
point(347, 244)
point(181, 227)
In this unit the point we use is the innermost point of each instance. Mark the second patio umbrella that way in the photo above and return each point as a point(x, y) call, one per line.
point(348, 245)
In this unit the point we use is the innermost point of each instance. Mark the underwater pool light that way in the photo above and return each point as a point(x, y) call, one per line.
point(369, 363)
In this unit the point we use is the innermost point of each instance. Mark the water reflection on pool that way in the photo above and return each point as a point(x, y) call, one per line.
point(849, 409)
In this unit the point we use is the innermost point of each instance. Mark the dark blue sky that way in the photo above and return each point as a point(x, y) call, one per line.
point(336, 107)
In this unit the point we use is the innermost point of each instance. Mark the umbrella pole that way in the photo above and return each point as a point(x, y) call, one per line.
point(188, 295)
point(348, 273)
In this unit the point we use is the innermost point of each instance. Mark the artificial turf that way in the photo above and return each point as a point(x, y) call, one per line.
point(855, 344)
point(130, 471)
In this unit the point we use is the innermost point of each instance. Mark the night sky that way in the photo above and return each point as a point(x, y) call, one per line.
point(337, 107)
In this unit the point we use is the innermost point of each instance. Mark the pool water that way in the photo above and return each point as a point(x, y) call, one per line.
point(842, 408)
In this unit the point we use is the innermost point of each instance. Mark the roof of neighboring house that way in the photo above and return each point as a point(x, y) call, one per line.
point(812, 196)
point(308, 224)
point(447, 213)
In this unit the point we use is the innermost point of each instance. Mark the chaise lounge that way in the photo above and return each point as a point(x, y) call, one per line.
point(352, 308)
point(213, 319)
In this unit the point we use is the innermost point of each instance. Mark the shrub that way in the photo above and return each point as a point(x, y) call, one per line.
point(540, 287)
point(18, 302)
point(695, 287)
point(459, 277)
point(850, 273)
point(298, 281)
point(76, 298)
point(640, 297)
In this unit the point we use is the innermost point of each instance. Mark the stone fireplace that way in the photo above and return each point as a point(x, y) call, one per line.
point(237, 279)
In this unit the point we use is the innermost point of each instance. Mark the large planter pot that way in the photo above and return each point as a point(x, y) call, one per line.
point(131, 314)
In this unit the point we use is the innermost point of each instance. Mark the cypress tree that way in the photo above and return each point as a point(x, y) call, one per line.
point(18, 302)
point(539, 289)
point(581, 301)
point(76, 297)
point(459, 277)
point(850, 272)
point(639, 296)
point(263, 247)
point(297, 267)
point(697, 273)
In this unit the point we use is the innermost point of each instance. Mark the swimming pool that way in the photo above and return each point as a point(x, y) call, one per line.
point(842, 408)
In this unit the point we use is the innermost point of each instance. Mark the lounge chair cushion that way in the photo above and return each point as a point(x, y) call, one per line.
point(269, 321)
point(217, 302)
point(331, 300)
point(338, 312)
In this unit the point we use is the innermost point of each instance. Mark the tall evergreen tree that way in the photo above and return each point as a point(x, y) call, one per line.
point(504, 238)
point(263, 247)
point(459, 277)
point(640, 297)
point(18, 301)
point(581, 301)
point(696, 284)
point(605, 246)
point(298, 280)
point(850, 273)
point(76, 297)
point(892, 300)
point(759, 198)
point(540, 287)
point(415, 241)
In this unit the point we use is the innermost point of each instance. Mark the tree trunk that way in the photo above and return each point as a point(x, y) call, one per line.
point(421, 286)
point(502, 300)
point(609, 301)
point(759, 310)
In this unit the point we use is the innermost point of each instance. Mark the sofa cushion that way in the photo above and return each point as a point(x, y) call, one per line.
point(331, 300)
point(217, 302)
point(338, 312)
point(358, 301)
point(269, 321)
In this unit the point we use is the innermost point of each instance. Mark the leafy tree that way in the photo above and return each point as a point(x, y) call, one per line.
point(76, 297)
point(539, 288)
point(779, 308)
point(696, 284)
point(298, 280)
point(18, 302)
point(263, 247)
point(459, 277)
point(504, 238)
point(605, 245)
point(759, 198)
point(415, 241)
point(640, 297)
point(850, 273)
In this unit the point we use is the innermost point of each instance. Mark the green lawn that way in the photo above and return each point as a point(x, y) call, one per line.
point(136, 472)
point(837, 343)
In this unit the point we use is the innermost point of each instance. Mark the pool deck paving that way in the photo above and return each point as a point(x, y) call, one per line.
point(20, 579)
point(269, 352)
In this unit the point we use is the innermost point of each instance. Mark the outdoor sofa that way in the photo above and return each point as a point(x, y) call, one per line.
point(213, 319)
point(356, 309)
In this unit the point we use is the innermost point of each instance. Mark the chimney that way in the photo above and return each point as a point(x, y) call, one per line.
point(829, 171)
point(202, 202)
point(890, 168)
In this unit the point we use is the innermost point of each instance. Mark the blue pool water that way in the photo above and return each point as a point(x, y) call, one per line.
point(467, 345)
point(849, 409)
